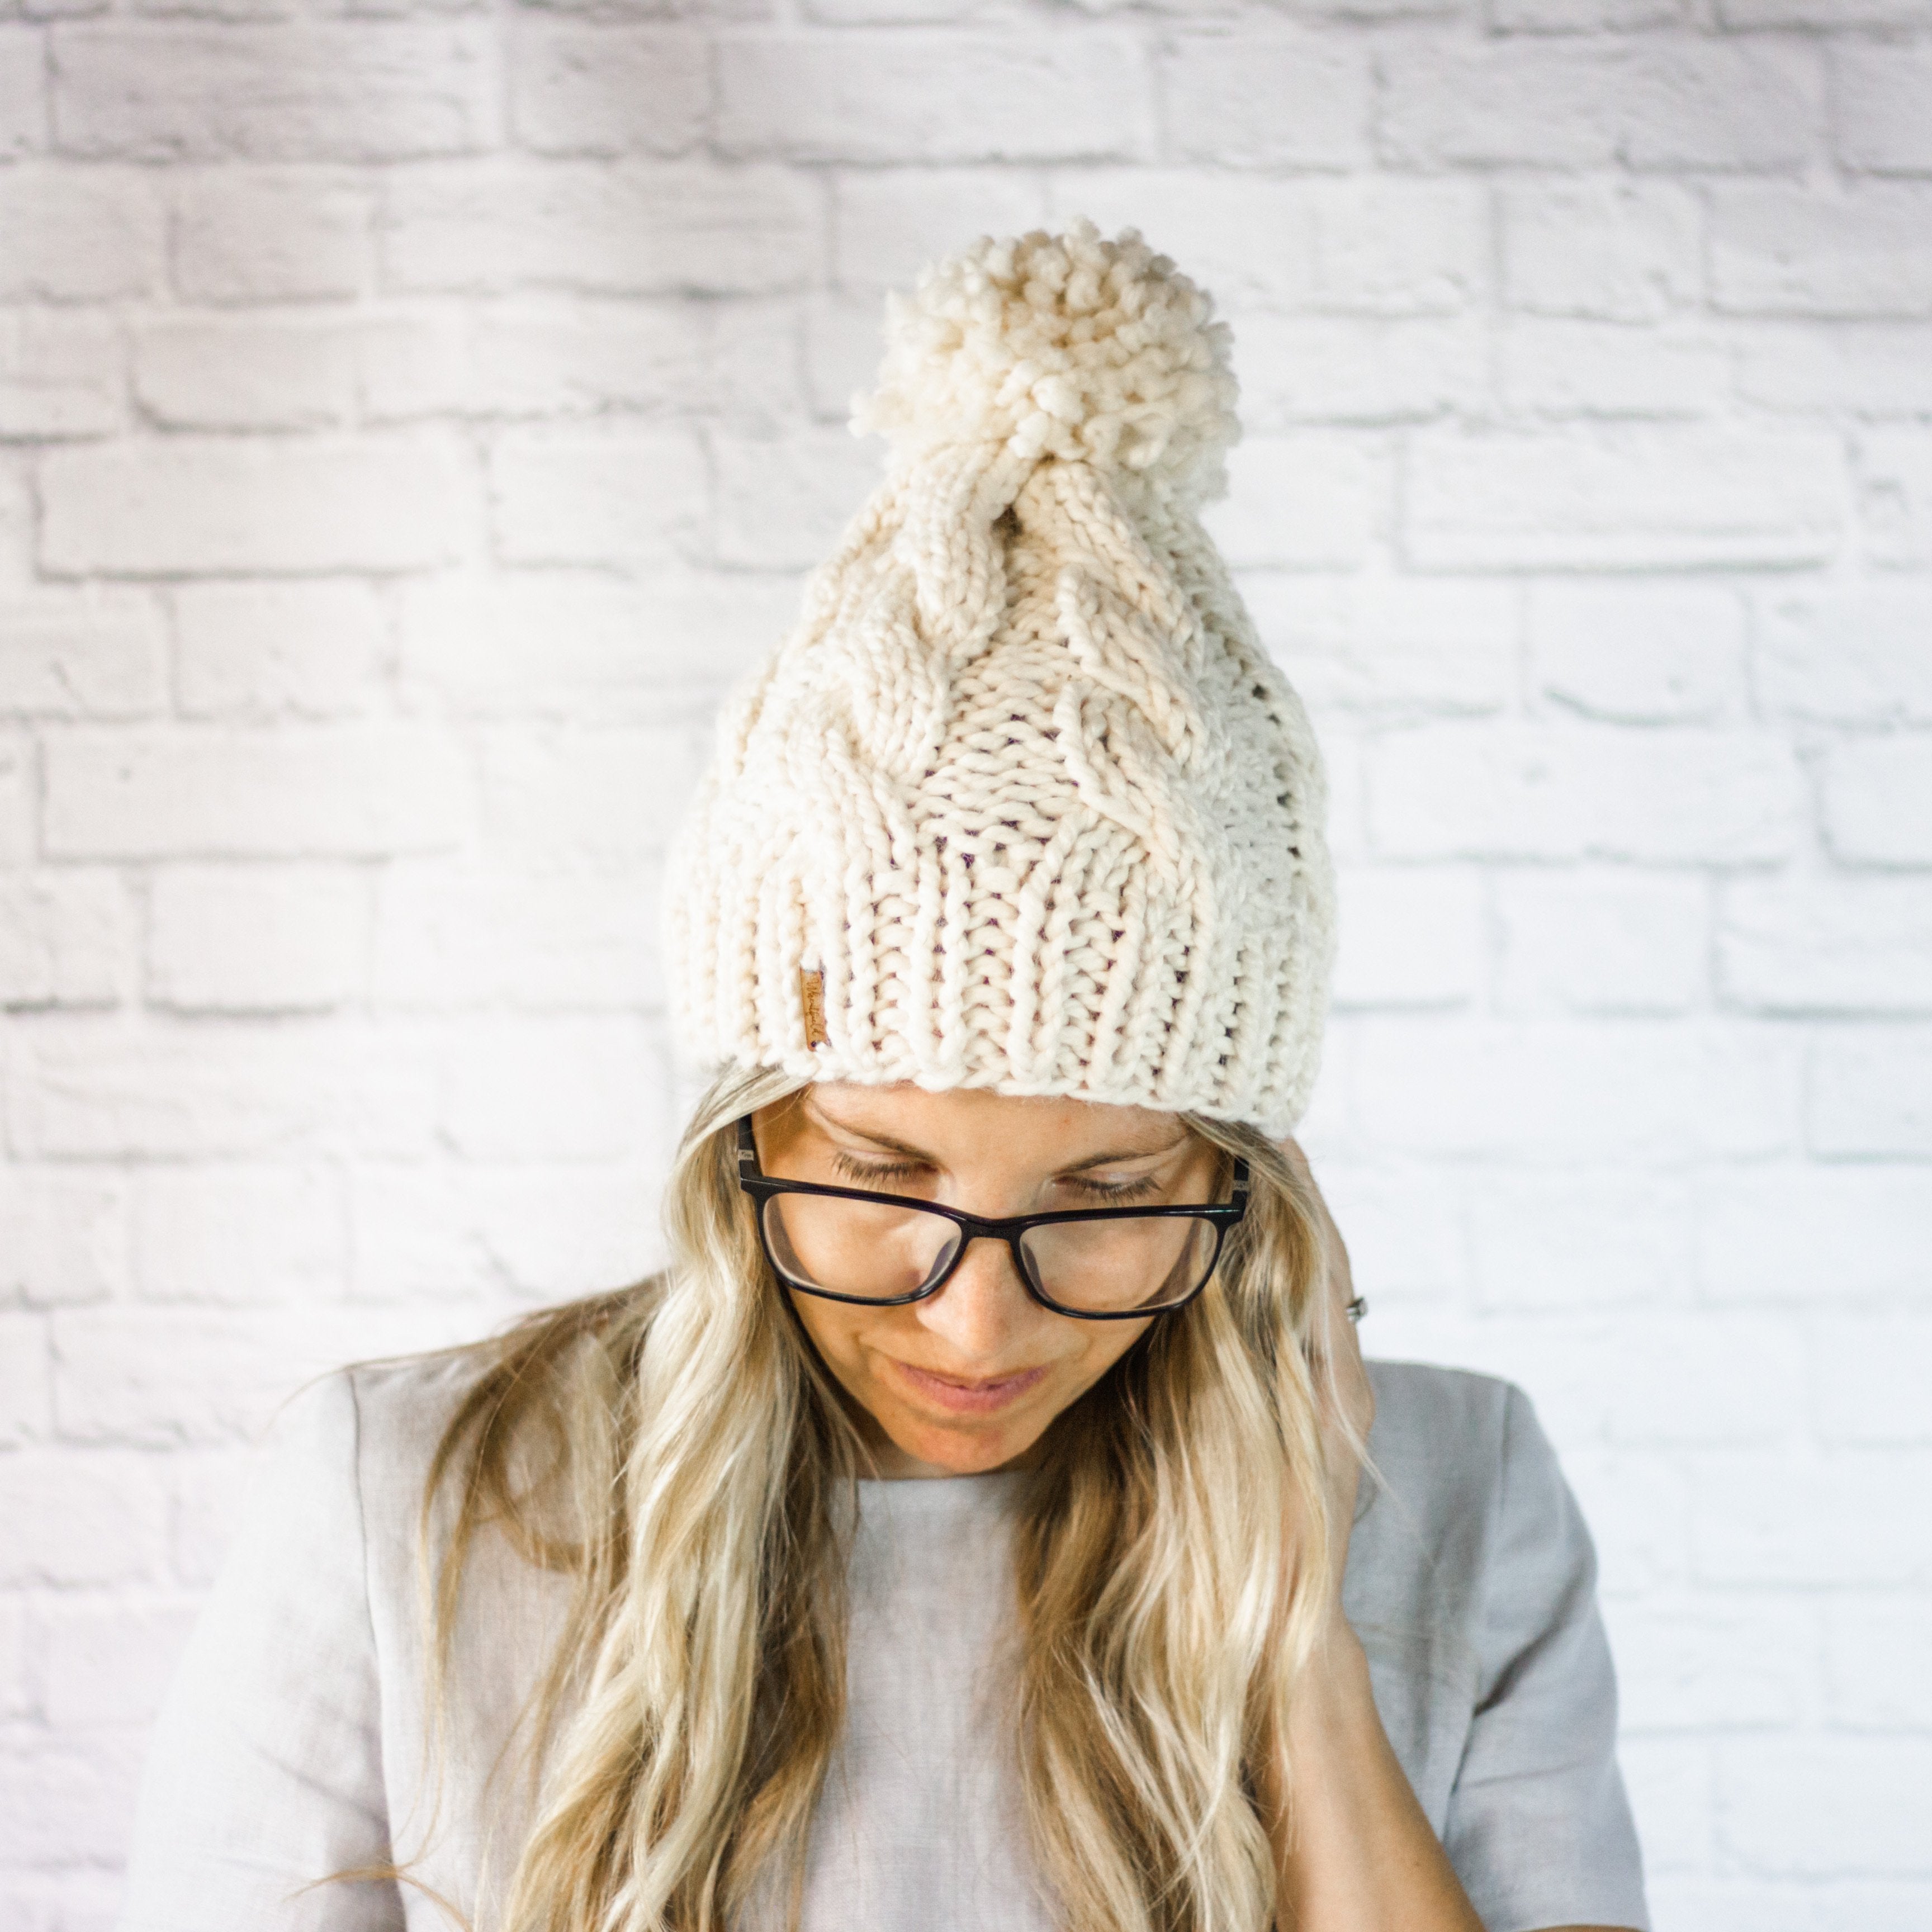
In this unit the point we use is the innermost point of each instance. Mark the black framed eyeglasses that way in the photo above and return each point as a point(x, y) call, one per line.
point(884, 1250)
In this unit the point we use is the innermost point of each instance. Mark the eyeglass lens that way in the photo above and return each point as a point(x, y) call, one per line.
point(874, 1252)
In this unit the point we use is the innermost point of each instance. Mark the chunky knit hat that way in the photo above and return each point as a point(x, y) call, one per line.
point(1022, 803)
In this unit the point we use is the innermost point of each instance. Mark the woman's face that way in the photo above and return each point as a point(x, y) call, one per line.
point(967, 1379)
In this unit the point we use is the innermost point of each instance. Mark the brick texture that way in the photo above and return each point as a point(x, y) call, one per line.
point(413, 417)
point(367, 91)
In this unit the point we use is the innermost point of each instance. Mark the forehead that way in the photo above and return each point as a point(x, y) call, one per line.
point(1053, 1128)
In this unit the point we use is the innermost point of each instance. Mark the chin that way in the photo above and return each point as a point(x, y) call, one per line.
point(962, 1452)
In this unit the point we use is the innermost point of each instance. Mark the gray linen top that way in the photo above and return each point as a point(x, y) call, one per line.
point(293, 1744)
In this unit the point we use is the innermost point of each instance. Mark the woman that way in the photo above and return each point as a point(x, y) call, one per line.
point(964, 1531)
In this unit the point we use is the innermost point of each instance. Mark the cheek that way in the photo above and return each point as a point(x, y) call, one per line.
point(854, 1342)
point(835, 1330)
point(1110, 1340)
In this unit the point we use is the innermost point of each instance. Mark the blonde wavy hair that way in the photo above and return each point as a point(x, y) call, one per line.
point(679, 1451)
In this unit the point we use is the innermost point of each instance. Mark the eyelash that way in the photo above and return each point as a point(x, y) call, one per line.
point(862, 1171)
point(1125, 1190)
point(867, 1173)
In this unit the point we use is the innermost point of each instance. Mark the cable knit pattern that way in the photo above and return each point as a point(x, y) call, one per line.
point(1023, 785)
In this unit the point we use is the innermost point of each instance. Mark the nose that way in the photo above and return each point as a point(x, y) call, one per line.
point(979, 1313)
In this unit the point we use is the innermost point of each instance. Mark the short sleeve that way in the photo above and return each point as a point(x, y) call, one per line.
point(1538, 1828)
point(265, 1772)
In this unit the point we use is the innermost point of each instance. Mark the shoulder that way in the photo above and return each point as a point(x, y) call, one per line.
point(340, 1479)
point(362, 1434)
point(401, 1411)
point(477, 1456)
point(1442, 1436)
point(301, 1695)
point(1421, 1409)
point(1453, 1428)
point(1464, 1483)
point(1467, 1553)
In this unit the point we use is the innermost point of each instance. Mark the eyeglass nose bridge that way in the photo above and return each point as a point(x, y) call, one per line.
point(1012, 1233)
point(975, 1228)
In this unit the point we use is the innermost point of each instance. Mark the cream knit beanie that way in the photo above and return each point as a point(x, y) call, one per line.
point(1022, 803)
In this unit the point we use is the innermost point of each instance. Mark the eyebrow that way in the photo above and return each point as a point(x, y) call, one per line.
point(1108, 1158)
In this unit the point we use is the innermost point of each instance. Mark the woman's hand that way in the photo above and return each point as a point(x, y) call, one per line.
point(1352, 1379)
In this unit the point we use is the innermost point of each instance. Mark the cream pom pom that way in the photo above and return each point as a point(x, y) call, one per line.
point(1067, 346)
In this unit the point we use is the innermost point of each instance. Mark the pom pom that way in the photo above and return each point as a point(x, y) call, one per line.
point(1067, 346)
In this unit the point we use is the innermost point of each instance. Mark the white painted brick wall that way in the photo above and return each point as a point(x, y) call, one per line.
point(411, 418)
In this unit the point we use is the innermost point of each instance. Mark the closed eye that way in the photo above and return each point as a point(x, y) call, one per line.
point(1108, 1193)
point(872, 1173)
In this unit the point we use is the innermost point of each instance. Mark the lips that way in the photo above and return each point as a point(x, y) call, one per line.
point(964, 1395)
